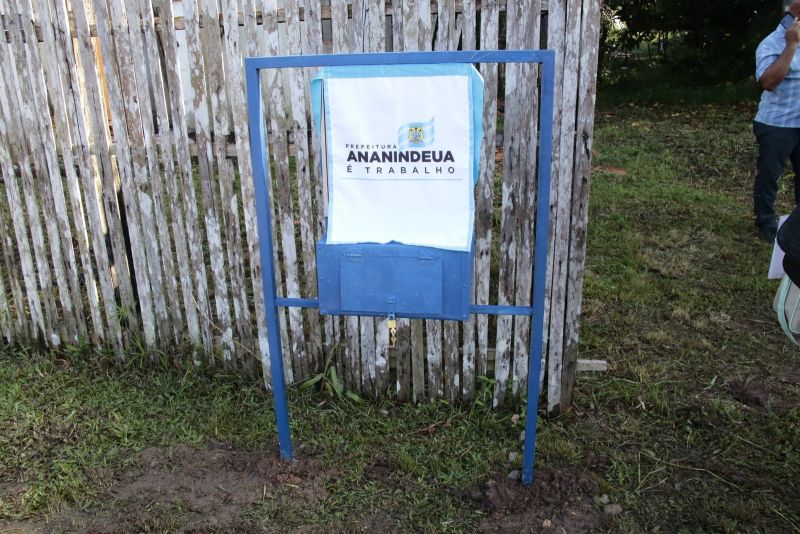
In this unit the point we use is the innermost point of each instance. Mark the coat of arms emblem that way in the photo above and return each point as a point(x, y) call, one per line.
point(415, 135)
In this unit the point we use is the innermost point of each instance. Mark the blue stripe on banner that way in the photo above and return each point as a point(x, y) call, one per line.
point(415, 135)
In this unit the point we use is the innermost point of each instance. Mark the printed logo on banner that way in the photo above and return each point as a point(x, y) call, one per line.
point(415, 135)
point(409, 157)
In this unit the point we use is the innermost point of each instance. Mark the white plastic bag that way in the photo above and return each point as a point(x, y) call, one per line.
point(787, 306)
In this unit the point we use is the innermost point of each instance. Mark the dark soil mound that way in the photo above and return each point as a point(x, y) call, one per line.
point(560, 500)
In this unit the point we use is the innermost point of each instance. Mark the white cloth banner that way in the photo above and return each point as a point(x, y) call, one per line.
point(400, 160)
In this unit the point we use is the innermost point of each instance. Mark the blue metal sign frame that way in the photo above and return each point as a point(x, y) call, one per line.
point(258, 151)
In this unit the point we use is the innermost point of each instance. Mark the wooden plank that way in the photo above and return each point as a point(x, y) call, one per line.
point(257, 45)
point(285, 214)
point(398, 40)
point(132, 164)
point(313, 45)
point(555, 37)
point(467, 28)
point(381, 356)
point(55, 197)
point(597, 366)
point(41, 328)
point(205, 159)
point(525, 36)
point(309, 45)
point(184, 317)
point(23, 328)
point(6, 331)
point(447, 39)
point(433, 330)
point(307, 221)
point(163, 179)
point(446, 36)
point(490, 24)
point(18, 217)
point(452, 361)
point(81, 90)
point(313, 26)
point(517, 172)
point(97, 178)
point(352, 352)
point(342, 38)
point(273, 95)
point(368, 36)
point(195, 283)
point(58, 223)
point(19, 327)
point(368, 353)
point(564, 195)
point(343, 42)
point(376, 14)
point(234, 83)
point(251, 48)
point(587, 87)
point(44, 161)
point(331, 327)
point(130, 61)
point(418, 35)
point(292, 115)
point(126, 117)
point(417, 372)
point(227, 207)
point(368, 25)
point(63, 112)
point(406, 336)
point(14, 109)
point(149, 86)
point(468, 25)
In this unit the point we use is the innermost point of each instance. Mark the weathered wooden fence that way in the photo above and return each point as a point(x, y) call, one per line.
point(127, 214)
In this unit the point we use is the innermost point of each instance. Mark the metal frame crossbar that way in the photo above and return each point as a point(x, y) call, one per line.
point(259, 153)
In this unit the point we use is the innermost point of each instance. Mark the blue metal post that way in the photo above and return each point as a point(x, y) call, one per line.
point(539, 265)
point(259, 153)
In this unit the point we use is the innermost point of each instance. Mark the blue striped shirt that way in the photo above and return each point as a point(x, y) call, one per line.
point(780, 107)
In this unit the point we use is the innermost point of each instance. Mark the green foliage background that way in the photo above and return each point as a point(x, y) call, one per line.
point(699, 42)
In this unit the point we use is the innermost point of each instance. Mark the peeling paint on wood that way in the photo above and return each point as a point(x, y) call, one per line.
point(221, 326)
point(195, 286)
point(178, 181)
point(298, 125)
point(587, 90)
point(490, 23)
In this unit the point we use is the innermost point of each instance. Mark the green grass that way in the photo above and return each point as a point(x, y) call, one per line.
point(675, 299)
point(65, 418)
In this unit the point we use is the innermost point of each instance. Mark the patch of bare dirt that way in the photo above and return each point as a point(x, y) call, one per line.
point(381, 469)
point(753, 393)
point(760, 394)
point(560, 500)
point(197, 490)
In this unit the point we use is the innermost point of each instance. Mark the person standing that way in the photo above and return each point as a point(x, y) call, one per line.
point(777, 123)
